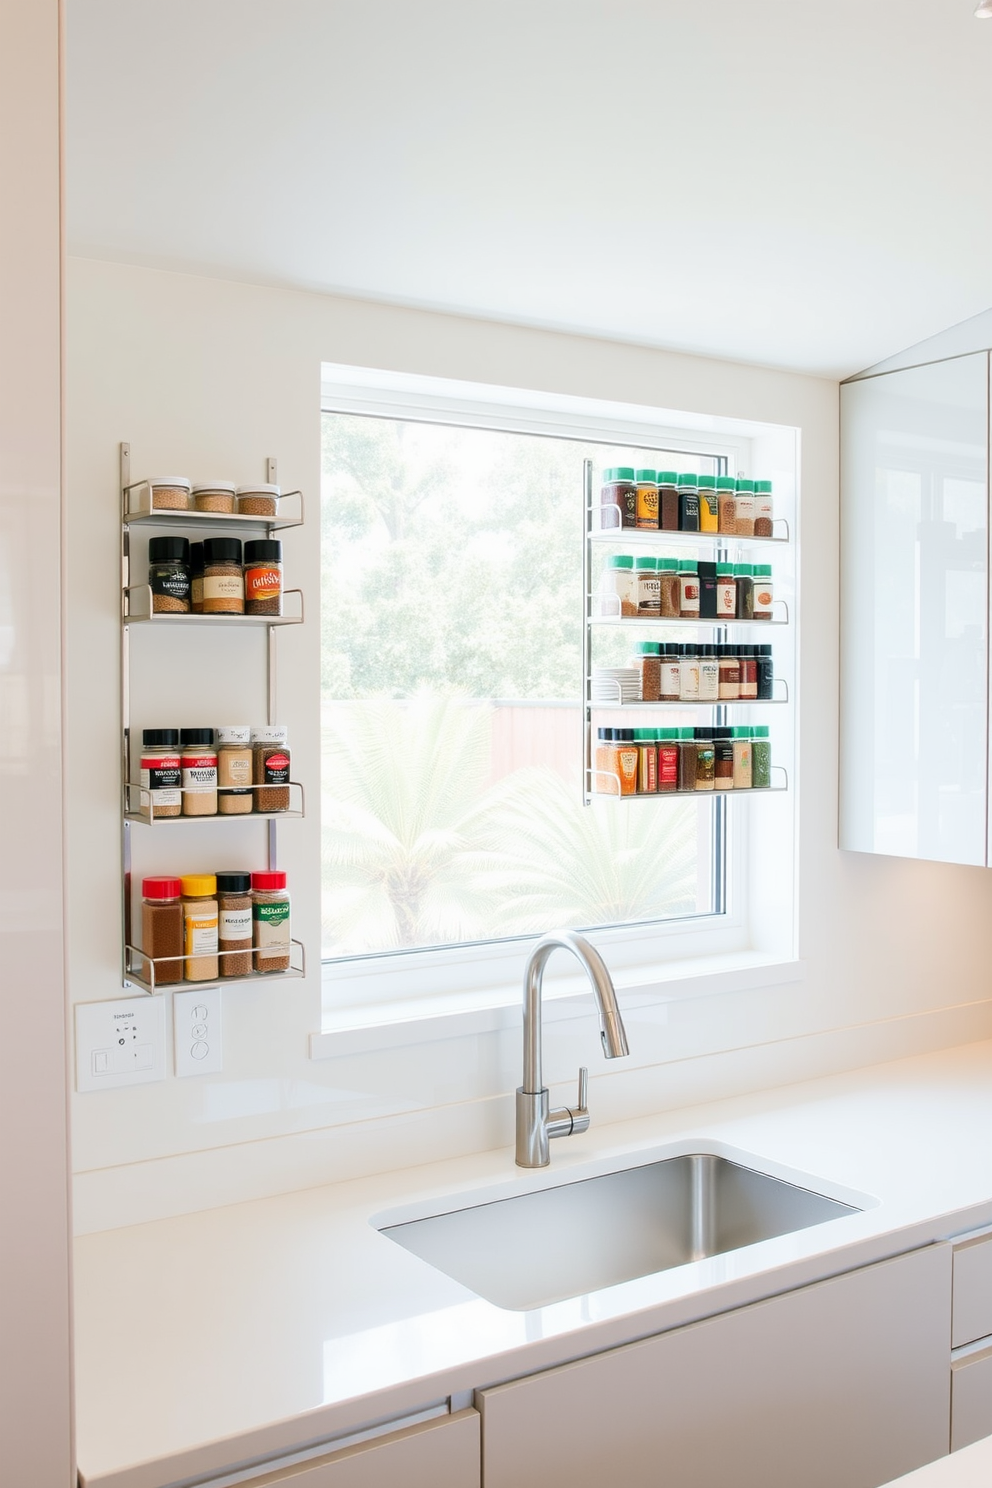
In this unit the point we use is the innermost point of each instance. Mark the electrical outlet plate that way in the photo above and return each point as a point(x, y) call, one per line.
point(196, 1030)
point(120, 1042)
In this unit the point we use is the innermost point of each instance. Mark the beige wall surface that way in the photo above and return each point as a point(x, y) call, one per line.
point(35, 1417)
point(208, 377)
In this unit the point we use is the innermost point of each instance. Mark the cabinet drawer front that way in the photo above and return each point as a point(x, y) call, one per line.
point(443, 1453)
point(972, 1291)
point(971, 1399)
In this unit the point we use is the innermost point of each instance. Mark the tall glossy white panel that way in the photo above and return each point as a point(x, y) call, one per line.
point(914, 612)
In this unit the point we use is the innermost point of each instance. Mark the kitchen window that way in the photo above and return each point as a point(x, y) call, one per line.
point(452, 824)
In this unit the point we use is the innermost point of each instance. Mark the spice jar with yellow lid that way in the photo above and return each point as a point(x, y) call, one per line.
point(200, 940)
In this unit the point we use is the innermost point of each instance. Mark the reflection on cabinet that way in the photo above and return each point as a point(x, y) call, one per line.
point(441, 1453)
point(843, 1384)
point(914, 612)
point(972, 1304)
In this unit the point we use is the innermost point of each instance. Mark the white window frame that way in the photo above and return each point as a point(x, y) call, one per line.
point(437, 991)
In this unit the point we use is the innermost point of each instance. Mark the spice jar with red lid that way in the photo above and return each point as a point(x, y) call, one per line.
point(270, 920)
point(162, 930)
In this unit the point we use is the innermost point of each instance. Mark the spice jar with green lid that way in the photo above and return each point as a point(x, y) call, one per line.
point(668, 500)
point(687, 759)
point(647, 660)
point(648, 587)
point(647, 500)
point(745, 507)
point(745, 591)
point(668, 587)
point(688, 589)
point(764, 516)
point(761, 758)
point(618, 498)
point(709, 509)
point(688, 504)
point(742, 756)
point(618, 587)
point(668, 760)
point(763, 593)
point(223, 576)
point(726, 499)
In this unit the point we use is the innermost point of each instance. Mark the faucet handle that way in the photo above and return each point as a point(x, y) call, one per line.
point(580, 1116)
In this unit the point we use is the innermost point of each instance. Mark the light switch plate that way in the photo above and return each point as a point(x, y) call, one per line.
point(120, 1042)
point(196, 1030)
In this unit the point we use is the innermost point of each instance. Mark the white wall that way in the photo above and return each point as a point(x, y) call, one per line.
point(206, 377)
point(35, 1408)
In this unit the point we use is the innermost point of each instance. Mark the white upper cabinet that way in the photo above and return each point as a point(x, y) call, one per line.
point(914, 612)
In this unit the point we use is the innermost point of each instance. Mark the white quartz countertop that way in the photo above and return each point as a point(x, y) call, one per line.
point(969, 1468)
point(237, 1334)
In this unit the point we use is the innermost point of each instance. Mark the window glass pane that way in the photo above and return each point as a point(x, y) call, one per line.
point(451, 676)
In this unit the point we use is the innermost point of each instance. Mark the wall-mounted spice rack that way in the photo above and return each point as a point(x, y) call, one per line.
point(136, 610)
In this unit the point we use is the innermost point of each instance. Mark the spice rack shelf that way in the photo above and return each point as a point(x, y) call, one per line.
point(136, 611)
point(136, 964)
point(658, 537)
point(637, 622)
point(598, 706)
point(693, 795)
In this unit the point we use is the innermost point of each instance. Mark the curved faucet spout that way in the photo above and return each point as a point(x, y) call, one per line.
point(536, 1124)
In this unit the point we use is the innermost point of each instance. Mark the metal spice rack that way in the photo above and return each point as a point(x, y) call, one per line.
point(717, 546)
point(136, 609)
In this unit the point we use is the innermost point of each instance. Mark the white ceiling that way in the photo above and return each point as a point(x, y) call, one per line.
point(802, 183)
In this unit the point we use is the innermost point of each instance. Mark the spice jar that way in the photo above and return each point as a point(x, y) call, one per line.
point(263, 577)
point(745, 507)
point(726, 592)
point(764, 516)
point(688, 589)
point(199, 764)
point(162, 930)
point(648, 587)
point(647, 500)
point(723, 759)
point(668, 760)
point(168, 575)
point(763, 593)
point(670, 672)
point(689, 673)
point(742, 757)
point(745, 591)
point(200, 926)
point(160, 773)
point(647, 660)
point(705, 759)
point(234, 923)
point(258, 501)
point(668, 500)
point(709, 674)
point(766, 674)
point(688, 504)
point(234, 770)
point(196, 578)
point(270, 920)
point(749, 673)
point(709, 507)
point(170, 493)
point(270, 768)
point(647, 761)
point(730, 674)
point(223, 580)
point(214, 496)
point(615, 773)
point(668, 587)
point(726, 497)
point(687, 759)
point(707, 589)
point(618, 498)
point(761, 758)
point(618, 587)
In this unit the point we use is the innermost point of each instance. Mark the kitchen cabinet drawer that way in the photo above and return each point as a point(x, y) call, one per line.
point(442, 1453)
point(843, 1384)
point(971, 1398)
point(972, 1315)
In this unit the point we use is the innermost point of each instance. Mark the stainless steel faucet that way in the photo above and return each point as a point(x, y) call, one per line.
point(536, 1123)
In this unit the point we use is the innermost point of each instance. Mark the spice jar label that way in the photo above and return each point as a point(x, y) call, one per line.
point(272, 921)
point(162, 776)
point(235, 924)
point(223, 586)
point(201, 936)
point(200, 773)
point(276, 769)
point(262, 583)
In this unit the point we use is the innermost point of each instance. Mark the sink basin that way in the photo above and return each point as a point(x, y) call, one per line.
point(538, 1248)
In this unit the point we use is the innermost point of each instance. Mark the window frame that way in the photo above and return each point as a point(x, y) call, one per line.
point(424, 984)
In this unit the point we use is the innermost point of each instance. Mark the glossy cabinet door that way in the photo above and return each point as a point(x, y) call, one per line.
point(844, 1384)
point(914, 612)
point(443, 1453)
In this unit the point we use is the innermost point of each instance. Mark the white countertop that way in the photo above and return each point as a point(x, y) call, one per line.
point(969, 1468)
point(243, 1332)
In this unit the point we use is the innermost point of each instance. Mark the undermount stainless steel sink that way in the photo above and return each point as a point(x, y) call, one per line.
point(537, 1248)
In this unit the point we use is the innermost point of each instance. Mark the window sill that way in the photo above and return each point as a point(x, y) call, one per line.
point(492, 1010)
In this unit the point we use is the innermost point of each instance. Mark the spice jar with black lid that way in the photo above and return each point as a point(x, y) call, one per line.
point(162, 930)
point(199, 772)
point(160, 773)
point(270, 770)
point(263, 577)
point(688, 504)
point(223, 577)
point(168, 575)
point(196, 578)
point(234, 925)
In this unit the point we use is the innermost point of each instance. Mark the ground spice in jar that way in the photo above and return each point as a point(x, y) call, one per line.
point(618, 499)
point(196, 578)
point(647, 500)
point(234, 770)
point(730, 674)
point(160, 773)
point(764, 517)
point(761, 758)
point(647, 660)
point(217, 496)
point(709, 507)
point(618, 587)
point(647, 761)
point(270, 921)
point(745, 591)
point(668, 500)
point(766, 674)
point(270, 768)
point(705, 759)
point(671, 672)
point(648, 587)
point(763, 593)
point(668, 587)
point(726, 592)
point(170, 493)
point(168, 575)
point(263, 577)
point(723, 759)
point(726, 497)
point(742, 757)
point(234, 924)
point(616, 763)
point(258, 501)
point(688, 589)
point(687, 759)
point(199, 772)
point(668, 760)
point(745, 507)
point(223, 579)
point(200, 926)
point(162, 930)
